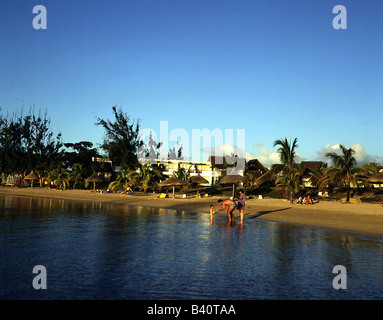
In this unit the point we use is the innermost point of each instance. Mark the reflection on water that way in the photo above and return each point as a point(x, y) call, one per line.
point(105, 251)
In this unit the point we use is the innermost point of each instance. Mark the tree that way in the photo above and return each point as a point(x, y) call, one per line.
point(124, 180)
point(288, 173)
point(184, 175)
point(291, 182)
point(149, 151)
point(318, 175)
point(79, 174)
point(59, 177)
point(251, 179)
point(82, 154)
point(176, 154)
point(121, 140)
point(27, 143)
point(287, 153)
point(145, 175)
point(344, 170)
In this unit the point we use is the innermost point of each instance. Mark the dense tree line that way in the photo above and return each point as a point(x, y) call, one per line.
point(288, 174)
point(121, 139)
point(28, 144)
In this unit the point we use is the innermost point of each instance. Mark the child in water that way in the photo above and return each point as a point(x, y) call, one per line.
point(211, 211)
point(211, 214)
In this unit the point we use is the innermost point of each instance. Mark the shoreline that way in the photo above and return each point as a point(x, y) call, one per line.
point(355, 218)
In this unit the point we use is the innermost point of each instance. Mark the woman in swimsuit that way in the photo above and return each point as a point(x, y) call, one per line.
point(241, 203)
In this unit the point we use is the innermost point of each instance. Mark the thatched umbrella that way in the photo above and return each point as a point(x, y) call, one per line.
point(198, 180)
point(94, 178)
point(32, 176)
point(376, 179)
point(173, 181)
point(232, 179)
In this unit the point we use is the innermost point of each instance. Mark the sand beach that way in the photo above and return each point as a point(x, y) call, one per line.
point(356, 218)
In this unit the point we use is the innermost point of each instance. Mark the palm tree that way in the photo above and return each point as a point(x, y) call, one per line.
point(124, 180)
point(251, 179)
point(344, 170)
point(78, 175)
point(288, 173)
point(287, 153)
point(3, 178)
point(291, 182)
point(316, 174)
point(145, 175)
point(184, 175)
point(59, 176)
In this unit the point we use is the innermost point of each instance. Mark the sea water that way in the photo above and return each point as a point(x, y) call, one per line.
point(107, 251)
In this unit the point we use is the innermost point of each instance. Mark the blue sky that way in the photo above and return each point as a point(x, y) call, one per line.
point(274, 68)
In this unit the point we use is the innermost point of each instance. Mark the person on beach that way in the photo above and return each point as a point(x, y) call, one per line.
point(241, 203)
point(231, 206)
point(211, 211)
point(299, 200)
point(308, 200)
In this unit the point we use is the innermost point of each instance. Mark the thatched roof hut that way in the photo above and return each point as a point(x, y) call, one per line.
point(94, 178)
point(32, 177)
point(198, 179)
point(233, 179)
point(256, 168)
point(172, 182)
point(376, 179)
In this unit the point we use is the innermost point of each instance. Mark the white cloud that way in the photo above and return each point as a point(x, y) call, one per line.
point(360, 155)
point(269, 157)
point(222, 150)
point(265, 156)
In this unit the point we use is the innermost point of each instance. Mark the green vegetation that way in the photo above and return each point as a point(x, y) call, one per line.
point(28, 144)
point(344, 172)
point(121, 140)
point(288, 175)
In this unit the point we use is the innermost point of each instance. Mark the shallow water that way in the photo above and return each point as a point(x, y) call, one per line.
point(104, 251)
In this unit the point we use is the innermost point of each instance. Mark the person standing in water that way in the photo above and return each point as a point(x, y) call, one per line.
point(241, 203)
point(230, 204)
point(211, 210)
point(211, 213)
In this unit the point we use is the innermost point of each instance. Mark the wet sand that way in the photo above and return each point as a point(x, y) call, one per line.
point(357, 218)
